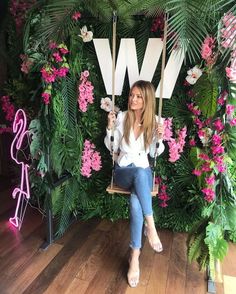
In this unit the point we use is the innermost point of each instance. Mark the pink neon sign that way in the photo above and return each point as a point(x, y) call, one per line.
point(23, 192)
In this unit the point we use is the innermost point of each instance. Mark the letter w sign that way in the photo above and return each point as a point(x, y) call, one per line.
point(127, 59)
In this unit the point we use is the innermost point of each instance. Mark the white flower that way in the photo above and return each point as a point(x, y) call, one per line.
point(86, 35)
point(106, 104)
point(206, 137)
point(193, 75)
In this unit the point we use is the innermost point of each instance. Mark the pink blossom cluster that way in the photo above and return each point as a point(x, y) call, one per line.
point(207, 51)
point(57, 68)
point(91, 159)
point(211, 132)
point(228, 32)
point(175, 145)
point(18, 9)
point(9, 110)
point(158, 23)
point(207, 47)
point(26, 63)
point(162, 194)
point(76, 15)
point(85, 91)
point(194, 109)
point(209, 191)
point(231, 70)
point(222, 98)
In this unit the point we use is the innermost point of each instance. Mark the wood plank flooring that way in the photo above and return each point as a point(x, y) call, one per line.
point(92, 258)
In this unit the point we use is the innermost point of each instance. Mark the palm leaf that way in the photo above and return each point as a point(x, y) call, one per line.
point(206, 91)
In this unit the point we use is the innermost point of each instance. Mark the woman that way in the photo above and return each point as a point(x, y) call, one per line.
point(135, 136)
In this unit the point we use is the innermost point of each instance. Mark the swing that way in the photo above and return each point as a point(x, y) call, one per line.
point(113, 188)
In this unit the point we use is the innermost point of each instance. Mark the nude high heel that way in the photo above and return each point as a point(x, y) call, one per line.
point(157, 246)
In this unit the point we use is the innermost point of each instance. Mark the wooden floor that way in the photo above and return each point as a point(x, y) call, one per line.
point(92, 258)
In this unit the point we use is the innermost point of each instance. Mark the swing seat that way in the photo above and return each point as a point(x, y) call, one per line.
point(119, 190)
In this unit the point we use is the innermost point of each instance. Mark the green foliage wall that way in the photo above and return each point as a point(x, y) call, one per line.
point(59, 128)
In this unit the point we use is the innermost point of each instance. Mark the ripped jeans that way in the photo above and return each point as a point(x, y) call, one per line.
point(139, 181)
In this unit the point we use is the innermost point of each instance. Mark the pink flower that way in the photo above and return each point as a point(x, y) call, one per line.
point(173, 150)
point(167, 129)
point(85, 91)
point(57, 57)
point(229, 31)
point(218, 159)
point(163, 196)
point(206, 51)
point(203, 156)
point(192, 142)
point(64, 50)
point(218, 125)
point(26, 63)
point(62, 72)
point(210, 180)
point(206, 167)
point(48, 74)
point(76, 15)
point(233, 122)
point(216, 139)
point(194, 109)
point(181, 138)
point(198, 122)
point(197, 172)
point(52, 45)
point(91, 159)
point(8, 108)
point(221, 168)
point(209, 194)
point(229, 109)
point(223, 96)
point(217, 150)
point(201, 133)
point(46, 97)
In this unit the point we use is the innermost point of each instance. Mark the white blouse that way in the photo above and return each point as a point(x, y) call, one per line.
point(134, 152)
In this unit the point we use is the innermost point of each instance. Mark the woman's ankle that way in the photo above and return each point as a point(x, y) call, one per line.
point(149, 221)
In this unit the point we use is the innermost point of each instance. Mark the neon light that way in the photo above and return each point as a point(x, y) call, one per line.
point(19, 127)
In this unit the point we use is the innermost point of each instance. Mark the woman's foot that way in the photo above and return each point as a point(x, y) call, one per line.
point(134, 272)
point(153, 238)
point(151, 232)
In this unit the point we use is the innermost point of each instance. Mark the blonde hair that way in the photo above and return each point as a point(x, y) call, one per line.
point(148, 119)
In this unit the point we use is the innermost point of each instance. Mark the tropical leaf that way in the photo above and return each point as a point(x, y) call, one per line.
point(206, 91)
point(195, 247)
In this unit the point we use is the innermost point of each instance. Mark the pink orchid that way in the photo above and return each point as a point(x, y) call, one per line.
point(216, 139)
point(209, 194)
point(210, 180)
point(233, 122)
point(218, 125)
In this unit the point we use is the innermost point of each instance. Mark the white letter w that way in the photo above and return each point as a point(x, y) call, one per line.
point(127, 59)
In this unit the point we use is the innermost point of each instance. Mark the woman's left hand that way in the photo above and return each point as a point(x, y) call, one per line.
point(159, 131)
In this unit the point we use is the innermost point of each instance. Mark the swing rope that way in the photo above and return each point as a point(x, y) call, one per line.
point(112, 188)
point(114, 21)
point(163, 62)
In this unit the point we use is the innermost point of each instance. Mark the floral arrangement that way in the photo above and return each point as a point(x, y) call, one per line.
point(85, 91)
point(54, 70)
point(9, 110)
point(91, 159)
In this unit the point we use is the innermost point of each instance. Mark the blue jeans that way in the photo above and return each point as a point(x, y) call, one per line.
point(139, 181)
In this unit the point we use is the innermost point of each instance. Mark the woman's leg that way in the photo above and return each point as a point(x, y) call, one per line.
point(136, 222)
point(139, 180)
point(136, 225)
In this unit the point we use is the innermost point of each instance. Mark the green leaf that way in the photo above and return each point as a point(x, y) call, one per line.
point(206, 91)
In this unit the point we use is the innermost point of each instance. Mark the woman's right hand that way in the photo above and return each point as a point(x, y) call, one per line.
point(111, 120)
